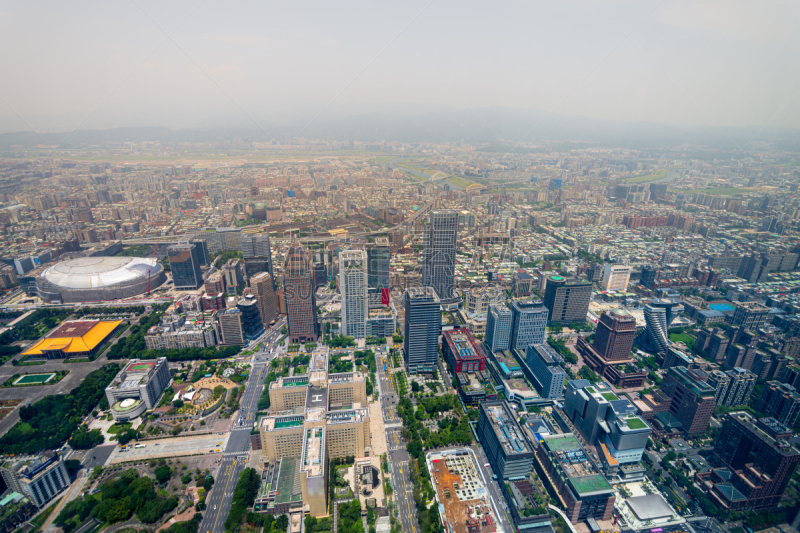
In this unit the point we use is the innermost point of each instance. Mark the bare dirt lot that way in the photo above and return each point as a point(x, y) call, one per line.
point(449, 484)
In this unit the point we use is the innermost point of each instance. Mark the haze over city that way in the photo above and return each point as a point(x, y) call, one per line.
point(421, 267)
point(206, 64)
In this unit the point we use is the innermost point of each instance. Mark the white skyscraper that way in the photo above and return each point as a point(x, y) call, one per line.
point(353, 286)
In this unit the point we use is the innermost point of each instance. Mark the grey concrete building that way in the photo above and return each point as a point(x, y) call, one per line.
point(507, 449)
point(439, 253)
point(498, 327)
point(548, 373)
point(529, 324)
point(422, 328)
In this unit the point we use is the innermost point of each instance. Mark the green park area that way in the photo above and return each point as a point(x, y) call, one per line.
point(661, 174)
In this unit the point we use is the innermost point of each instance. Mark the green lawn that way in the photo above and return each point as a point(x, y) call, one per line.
point(682, 337)
point(635, 423)
point(459, 182)
point(661, 174)
point(119, 428)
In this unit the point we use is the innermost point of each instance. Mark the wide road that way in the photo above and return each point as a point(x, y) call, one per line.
point(397, 454)
point(234, 459)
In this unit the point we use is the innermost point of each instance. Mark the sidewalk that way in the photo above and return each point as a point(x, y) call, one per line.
point(74, 492)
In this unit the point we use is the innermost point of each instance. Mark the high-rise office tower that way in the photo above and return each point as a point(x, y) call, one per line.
point(233, 275)
point(230, 326)
point(301, 304)
point(616, 277)
point(353, 287)
point(423, 325)
point(261, 288)
point(498, 327)
point(760, 458)
point(202, 251)
point(528, 324)
point(252, 325)
point(257, 253)
point(439, 253)
point(548, 373)
point(184, 264)
point(378, 274)
point(649, 276)
point(567, 301)
point(693, 399)
point(616, 331)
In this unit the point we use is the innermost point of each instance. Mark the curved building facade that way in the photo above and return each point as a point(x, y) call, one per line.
point(654, 337)
point(658, 315)
point(88, 279)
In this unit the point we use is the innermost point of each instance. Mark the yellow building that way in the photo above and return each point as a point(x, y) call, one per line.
point(74, 338)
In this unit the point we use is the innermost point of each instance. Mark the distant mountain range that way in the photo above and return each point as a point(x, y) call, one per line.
point(502, 128)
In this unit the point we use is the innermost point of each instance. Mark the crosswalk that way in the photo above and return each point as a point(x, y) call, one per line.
point(235, 454)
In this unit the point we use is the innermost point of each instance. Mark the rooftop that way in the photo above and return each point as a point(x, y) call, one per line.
point(313, 449)
point(649, 507)
point(506, 428)
point(75, 336)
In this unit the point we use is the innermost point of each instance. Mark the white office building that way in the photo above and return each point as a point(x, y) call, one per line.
point(353, 287)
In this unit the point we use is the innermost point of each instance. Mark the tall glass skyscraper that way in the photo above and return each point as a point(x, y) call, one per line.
point(378, 275)
point(423, 325)
point(184, 262)
point(498, 327)
point(257, 254)
point(439, 253)
point(353, 286)
point(301, 304)
point(528, 325)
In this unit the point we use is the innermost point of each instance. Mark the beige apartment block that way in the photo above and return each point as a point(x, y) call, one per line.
point(347, 389)
point(281, 436)
point(288, 393)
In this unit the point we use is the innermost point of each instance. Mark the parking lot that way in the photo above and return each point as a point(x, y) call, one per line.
point(206, 445)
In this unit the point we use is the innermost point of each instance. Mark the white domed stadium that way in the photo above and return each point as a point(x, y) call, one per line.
point(89, 279)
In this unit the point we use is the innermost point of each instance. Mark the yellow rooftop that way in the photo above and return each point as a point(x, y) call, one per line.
point(75, 336)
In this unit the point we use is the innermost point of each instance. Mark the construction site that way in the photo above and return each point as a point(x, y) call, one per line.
point(461, 493)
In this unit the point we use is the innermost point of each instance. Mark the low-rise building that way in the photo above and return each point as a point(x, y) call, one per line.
point(462, 352)
point(74, 339)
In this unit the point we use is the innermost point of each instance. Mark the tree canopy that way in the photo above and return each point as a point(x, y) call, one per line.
point(48, 423)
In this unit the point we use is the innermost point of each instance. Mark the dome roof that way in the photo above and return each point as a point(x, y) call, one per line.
point(619, 311)
point(98, 272)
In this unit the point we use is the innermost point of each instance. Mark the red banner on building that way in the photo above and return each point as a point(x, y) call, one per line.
point(385, 299)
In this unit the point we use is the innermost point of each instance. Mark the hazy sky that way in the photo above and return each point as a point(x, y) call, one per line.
point(109, 64)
